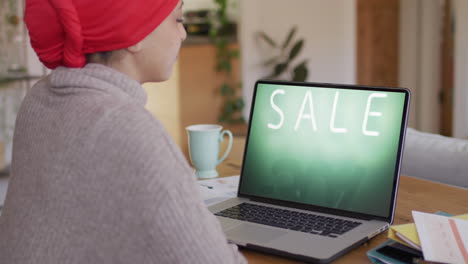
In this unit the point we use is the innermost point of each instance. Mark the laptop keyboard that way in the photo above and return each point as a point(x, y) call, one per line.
point(288, 219)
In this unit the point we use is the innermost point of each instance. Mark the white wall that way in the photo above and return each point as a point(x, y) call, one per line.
point(198, 4)
point(328, 28)
point(460, 111)
point(232, 10)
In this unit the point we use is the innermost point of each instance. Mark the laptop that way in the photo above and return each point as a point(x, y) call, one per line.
point(320, 169)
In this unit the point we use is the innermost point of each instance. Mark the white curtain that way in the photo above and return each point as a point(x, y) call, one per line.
point(10, 100)
point(12, 65)
point(420, 37)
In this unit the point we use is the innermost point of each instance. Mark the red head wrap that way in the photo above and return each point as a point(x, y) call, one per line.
point(63, 31)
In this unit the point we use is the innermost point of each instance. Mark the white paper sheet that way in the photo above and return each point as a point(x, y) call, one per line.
point(443, 239)
point(214, 191)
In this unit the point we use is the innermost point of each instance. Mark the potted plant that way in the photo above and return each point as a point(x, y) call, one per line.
point(221, 33)
point(282, 63)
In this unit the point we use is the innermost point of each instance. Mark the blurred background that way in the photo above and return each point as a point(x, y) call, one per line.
point(418, 44)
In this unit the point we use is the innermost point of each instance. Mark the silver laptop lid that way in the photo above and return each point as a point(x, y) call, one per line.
point(326, 147)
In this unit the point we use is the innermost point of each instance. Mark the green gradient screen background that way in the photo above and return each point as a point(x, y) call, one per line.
point(348, 171)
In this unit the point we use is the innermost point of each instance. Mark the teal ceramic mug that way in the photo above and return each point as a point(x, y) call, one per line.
point(204, 141)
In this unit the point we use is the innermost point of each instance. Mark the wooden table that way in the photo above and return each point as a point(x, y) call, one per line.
point(413, 194)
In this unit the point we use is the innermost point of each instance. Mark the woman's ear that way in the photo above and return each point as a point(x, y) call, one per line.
point(135, 48)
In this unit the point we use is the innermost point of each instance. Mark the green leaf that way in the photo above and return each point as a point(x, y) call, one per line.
point(291, 34)
point(296, 49)
point(234, 53)
point(300, 72)
point(228, 108)
point(239, 104)
point(279, 69)
point(271, 61)
point(226, 89)
point(221, 44)
point(223, 21)
point(267, 39)
point(227, 66)
point(222, 3)
point(224, 65)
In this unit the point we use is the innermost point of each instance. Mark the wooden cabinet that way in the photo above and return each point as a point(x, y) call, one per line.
point(192, 95)
point(377, 42)
point(200, 99)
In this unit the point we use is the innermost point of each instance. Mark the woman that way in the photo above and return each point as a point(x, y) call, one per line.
point(95, 178)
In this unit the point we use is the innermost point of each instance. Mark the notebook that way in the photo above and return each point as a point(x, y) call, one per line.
point(320, 170)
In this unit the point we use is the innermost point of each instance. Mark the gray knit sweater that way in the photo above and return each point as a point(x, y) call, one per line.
point(96, 179)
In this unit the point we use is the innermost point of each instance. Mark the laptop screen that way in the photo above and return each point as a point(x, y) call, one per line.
point(325, 146)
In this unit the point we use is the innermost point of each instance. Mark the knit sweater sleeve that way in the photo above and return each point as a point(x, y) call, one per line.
point(162, 218)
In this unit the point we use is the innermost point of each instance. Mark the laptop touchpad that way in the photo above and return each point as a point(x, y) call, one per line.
point(253, 233)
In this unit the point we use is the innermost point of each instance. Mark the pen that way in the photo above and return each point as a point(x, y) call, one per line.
point(207, 186)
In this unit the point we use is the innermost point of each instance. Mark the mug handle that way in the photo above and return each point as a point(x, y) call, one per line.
point(228, 150)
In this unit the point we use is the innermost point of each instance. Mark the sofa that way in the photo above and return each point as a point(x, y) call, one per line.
point(436, 158)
